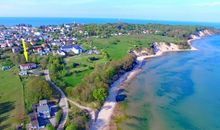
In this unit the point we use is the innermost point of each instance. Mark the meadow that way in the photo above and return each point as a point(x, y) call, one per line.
point(118, 46)
point(11, 100)
point(80, 66)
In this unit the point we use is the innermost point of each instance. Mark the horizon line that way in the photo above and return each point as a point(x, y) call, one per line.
point(111, 18)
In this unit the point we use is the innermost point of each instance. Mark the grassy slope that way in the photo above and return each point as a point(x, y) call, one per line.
point(11, 100)
point(118, 46)
point(85, 67)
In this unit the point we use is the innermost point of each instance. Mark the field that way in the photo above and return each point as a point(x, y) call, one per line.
point(118, 46)
point(81, 65)
point(11, 100)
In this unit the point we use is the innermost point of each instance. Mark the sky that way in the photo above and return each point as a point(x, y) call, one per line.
point(176, 10)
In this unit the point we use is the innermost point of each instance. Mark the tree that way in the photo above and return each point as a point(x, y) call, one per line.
point(44, 62)
point(58, 116)
point(99, 94)
point(37, 89)
point(50, 127)
point(71, 127)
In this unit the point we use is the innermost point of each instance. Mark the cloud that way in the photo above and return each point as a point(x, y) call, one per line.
point(210, 4)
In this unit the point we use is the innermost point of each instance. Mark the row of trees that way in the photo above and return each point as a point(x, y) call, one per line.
point(158, 29)
point(57, 70)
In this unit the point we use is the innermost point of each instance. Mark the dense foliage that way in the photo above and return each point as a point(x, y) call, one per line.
point(36, 89)
point(95, 86)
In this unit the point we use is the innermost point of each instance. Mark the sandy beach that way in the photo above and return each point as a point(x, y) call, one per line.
point(107, 110)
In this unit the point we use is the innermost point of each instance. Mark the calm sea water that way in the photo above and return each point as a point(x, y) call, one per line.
point(178, 91)
point(11, 21)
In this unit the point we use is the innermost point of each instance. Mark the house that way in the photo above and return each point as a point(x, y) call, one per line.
point(72, 48)
point(10, 44)
point(62, 53)
point(3, 45)
point(5, 68)
point(28, 66)
point(37, 50)
point(16, 50)
point(90, 52)
point(43, 109)
point(23, 73)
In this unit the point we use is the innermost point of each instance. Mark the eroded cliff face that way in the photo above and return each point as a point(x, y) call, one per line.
point(203, 33)
point(160, 47)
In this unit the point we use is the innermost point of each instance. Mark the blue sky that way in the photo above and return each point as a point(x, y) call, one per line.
point(181, 10)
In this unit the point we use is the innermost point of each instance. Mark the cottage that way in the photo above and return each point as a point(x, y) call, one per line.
point(43, 109)
point(72, 48)
point(28, 66)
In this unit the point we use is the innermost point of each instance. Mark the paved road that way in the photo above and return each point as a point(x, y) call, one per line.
point(63, 101)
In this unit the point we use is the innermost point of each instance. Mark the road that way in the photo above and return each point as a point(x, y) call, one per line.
point(63, 104)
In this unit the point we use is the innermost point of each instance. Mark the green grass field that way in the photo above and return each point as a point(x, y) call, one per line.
point(11, 100)
point(83, 66)
point(118, 46)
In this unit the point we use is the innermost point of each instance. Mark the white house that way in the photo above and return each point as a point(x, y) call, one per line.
point(60, 52)
point(43, 109)
point(72, 48)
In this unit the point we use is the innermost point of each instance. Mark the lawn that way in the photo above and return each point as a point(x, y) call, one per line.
point(11, 100)
point(80, 66)
point(118, 46)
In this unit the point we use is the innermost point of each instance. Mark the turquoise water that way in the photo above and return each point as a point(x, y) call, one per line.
point(178, 91)
point(11, 21)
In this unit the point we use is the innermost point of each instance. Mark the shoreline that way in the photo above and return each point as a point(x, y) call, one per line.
point(104, 115)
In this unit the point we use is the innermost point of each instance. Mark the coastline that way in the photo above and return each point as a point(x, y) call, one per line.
point(104, 115)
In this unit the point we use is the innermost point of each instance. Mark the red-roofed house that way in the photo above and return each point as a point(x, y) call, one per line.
point(28, 66)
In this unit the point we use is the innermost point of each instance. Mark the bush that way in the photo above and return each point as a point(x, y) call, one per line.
point(58, 116)
point(99, 94)
point(71, 127)
point(50, 127)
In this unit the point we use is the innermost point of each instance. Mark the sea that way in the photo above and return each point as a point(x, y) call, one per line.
point(177, 91)
point(37, 21)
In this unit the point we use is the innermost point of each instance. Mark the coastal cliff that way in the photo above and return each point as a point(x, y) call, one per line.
point(158, 48)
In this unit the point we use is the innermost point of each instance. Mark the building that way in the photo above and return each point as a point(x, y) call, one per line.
point(43, 109)
point(62, 53)
point(28, 66)
point(5, 68)
point(72, 48)
point(23, 73)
